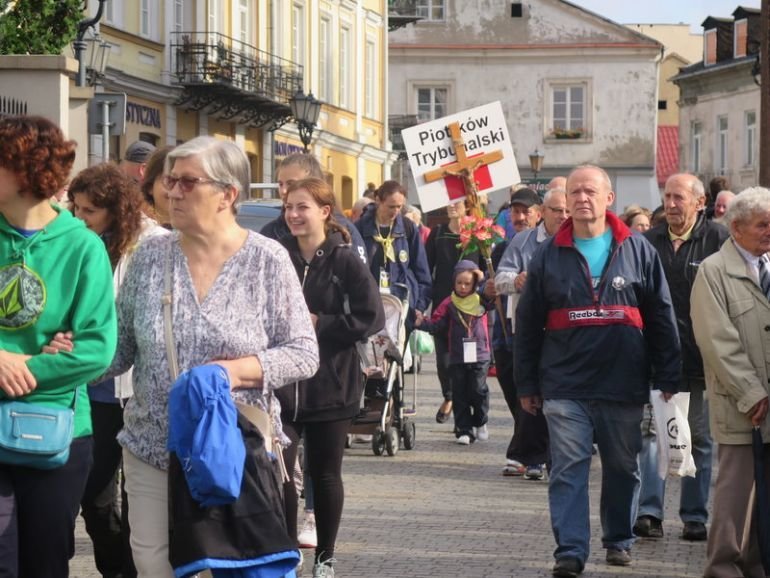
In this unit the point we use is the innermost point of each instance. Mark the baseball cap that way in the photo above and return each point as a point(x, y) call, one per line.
point(139, 152)
point(526, 197)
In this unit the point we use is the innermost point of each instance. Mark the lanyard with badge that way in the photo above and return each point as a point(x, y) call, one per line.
point(469, 343)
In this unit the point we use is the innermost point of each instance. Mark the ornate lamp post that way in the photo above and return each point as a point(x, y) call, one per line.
point(536, 162)
point(80, 45)
point(305, 109)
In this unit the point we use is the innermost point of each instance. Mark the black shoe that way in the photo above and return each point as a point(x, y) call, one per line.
point(694, 532)
point(567, 567)
point(648, 527)
point(618, 557)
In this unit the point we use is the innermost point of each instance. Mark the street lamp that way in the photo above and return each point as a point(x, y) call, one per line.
point(305, 109)
point(80, 44)
point(536, 162)
point(95, 55)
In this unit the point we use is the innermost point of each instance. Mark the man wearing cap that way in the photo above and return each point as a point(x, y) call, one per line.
point(135, 159)
point(528, 450)
point(594, 327)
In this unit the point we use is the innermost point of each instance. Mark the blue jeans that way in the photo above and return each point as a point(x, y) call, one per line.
point(695, 491)
point(573, 425)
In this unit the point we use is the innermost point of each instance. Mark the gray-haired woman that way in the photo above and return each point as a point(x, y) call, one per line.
point(731, 316)
point(236, 301)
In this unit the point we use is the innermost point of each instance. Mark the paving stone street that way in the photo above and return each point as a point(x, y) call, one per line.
point(446, 510)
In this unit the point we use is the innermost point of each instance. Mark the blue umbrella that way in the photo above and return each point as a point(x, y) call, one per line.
point(762, 500)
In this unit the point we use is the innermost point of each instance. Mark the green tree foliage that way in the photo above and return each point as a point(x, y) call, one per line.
point(38, 26)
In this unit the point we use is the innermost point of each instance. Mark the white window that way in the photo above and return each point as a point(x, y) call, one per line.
point(345, 67)
point(245, 20)
point(722, 144)
point(749, 138)
point(569, 107)
point(113, 13)
point(217, 51)
point(178, 22)
point(325, 60)
point(568, 110)
point(148, 19)
point(298, 34)
point(370, 75)
point(696, 131)
point(433, 10)
point(431, 103)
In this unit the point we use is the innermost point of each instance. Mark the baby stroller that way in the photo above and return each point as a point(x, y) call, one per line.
point(383, 408)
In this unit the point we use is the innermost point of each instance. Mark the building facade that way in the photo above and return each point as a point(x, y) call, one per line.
point(680, 48)
point(719, 102)
point(574, 86)
point(229, 69)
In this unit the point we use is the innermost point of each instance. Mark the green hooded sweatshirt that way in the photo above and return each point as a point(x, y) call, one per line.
point(59, 279)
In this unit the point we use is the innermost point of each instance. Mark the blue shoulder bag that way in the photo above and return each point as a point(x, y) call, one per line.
point(35, 436)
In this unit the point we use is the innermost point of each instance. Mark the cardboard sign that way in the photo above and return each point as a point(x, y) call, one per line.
point(429, 147)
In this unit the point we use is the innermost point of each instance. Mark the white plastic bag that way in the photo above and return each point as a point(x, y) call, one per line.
point(674, 439)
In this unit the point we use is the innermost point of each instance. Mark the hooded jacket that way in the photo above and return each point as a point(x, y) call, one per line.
point(577, 342)
point(339, 289)
point(59, 279)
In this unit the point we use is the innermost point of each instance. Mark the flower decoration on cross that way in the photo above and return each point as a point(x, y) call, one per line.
point(479, 234)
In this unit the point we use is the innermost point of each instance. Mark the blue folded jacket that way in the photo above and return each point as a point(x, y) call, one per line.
point(203, 433)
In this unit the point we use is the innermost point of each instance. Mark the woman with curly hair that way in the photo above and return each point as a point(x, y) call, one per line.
point(110, 204)
point(54, 279)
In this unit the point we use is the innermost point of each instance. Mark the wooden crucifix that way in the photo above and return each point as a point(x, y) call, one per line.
point(465, 168)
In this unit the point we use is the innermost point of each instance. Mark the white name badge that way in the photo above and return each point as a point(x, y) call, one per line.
point(469, 350)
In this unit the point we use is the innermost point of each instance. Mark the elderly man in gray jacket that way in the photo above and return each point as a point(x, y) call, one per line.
point(730, 312)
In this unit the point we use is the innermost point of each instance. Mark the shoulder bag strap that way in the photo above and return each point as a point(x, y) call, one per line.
point(167, 327)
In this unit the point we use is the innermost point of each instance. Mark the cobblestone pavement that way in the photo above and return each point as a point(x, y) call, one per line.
point(446, 510)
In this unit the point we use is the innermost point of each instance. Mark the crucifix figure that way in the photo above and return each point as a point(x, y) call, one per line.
point(465, 169)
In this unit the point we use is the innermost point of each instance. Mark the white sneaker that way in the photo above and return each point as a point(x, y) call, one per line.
point(482, 433)
point(307, 537)
point(464, 440)
point(324, 569)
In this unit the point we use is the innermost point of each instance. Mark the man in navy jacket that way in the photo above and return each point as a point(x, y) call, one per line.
point(594, 327)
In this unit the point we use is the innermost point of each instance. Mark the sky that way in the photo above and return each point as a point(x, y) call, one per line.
point(691, 12)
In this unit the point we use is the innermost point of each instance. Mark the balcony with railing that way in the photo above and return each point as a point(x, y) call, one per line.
point(402, 13)
point(233, 80)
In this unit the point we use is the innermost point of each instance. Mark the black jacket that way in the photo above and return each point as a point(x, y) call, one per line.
point(278, 230)
point(680, 268)
point(577, 342)
point(341, 291)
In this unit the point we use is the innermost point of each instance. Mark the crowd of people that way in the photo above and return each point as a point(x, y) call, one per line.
point(141, 276)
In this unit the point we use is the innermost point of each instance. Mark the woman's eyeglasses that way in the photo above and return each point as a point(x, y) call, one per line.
point(187, 184)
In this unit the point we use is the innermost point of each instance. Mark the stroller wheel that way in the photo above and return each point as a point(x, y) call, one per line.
point(409, 434)
point(378, 442)
point(391, 441)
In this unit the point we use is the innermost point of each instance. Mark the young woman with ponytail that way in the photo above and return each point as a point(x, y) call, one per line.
point(345, 308)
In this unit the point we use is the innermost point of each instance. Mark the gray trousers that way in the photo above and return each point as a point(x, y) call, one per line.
point(733, 549)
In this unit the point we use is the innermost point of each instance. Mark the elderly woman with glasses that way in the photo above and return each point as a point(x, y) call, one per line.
point(731, 319)
point(235, 301)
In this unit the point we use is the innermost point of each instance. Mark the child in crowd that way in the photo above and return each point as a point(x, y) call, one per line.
point(464, 315)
